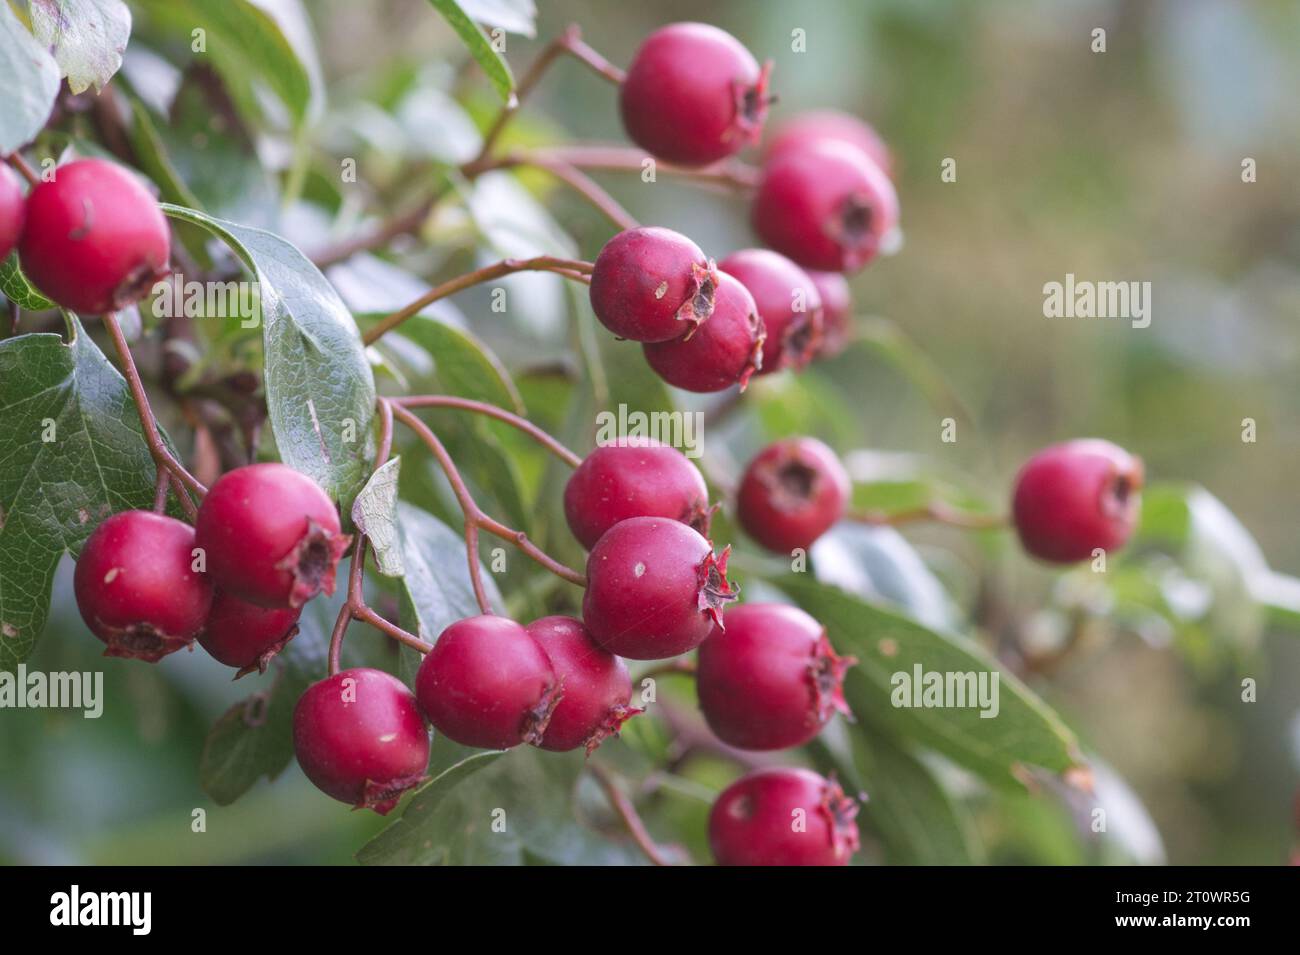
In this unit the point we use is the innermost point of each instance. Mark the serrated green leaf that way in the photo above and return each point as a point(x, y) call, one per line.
point(492, 62)
point(29, 79)
point(16, 287)
point(86, 38)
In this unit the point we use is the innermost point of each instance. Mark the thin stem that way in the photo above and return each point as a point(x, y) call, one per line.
point(23, 167)
point(581, 183)
point(492, 411)
point(732, 173)
point(183, 496)
point(934, 511)
point(540, 263)
point(679, 667)
point(403, 224)
point(161, 484)
point(628, 814)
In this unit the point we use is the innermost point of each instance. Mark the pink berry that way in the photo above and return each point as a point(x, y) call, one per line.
point(13, 211)
point(246, 636)
point(793, 491)
point(829, 124)
point(788, 303)
point(783, 817)
point(722, 352)
point(652, 285)
point(837, 311)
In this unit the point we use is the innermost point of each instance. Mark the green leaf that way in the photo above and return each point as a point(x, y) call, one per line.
point(71, 453)
point(86, 37)
point(492, 62)
point(319, 387)
point(29, 79)
point(16, 287)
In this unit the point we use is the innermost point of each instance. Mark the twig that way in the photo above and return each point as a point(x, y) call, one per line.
point(731, 173)
point(628, 814)
point(492, 411)
point(579, 182)
point(28, 173)
point(934, 511)
point(401, 224)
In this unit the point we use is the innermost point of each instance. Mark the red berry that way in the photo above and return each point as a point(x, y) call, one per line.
point(246, 636)
point(652, 285)
point(722, 352)
point(137, 588)
point(488, 683)
point(360, 738)
point(792, 492)
point(827, 207)
point(693, 95)
point(634, 478)
point(1075, 497)
point(597, 688)
point(788, 303)
point(12, 211)
point(271, 535)
point(654, 589)
point(783, 817)
point(837, 311)
point(822, 124)
point(95, 239)
point(771, 679)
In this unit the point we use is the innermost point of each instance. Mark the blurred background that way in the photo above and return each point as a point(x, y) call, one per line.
point(1116, 166)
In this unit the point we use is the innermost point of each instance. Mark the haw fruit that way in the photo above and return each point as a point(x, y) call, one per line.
point(137, 588)
point(654, 589)
point(827, 207)
point(722, 352)
point(652, 285)
point(596, 687)
point(634, 478)
point(488, 683)
point(837, 311)
point(783, 817)
point(246, 636)
point(95, 239)
point(788, 303)
point(360, 738)
point(12, 211)
point(271, 535)
point(771, 679)
point(1073, 498)
point(828, 124)
point(792, 492)
point(693, 95)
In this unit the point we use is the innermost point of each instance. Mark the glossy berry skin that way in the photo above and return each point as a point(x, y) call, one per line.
point(837, 311)
point(828, 207)
point(246, 636)
point(360, 738)
point(1075, 497)
point(722, 352)
point(596, 685)
point(488, 683)
point(783, 817)
point(792, 492)
point(788, 303)
point(95, 239)
point(652, 285)
point(829, 124)
point(136, 586)
point(771, 679)
point(654, 589)
point(271, 535)
point(693, 95)
point(13, 210)
point(634, 478)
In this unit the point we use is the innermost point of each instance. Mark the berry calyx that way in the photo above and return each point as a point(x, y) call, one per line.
point(652, 285)
point(1073, 498)
point(136, 585)
point(770, 680)
point(488, 683)
point(722, 352)
point(817, 125)
point(634, 478)
point(271, 535)
point(827, 207)
point(359, 738)
point(792, 492)
point(245, 636)
point(837, 311)
point(95, 239)
point(654, 589)
point(788, 303)
point(693, 95)
point(783, 817)
point(13, 211)
point(597, 688)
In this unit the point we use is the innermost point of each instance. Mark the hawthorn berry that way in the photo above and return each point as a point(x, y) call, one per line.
point(359, 738)
point(788, 303)
point(634, 478)
point(13, 209)
point(722, 352)
point(770, 680)
point(271, 535)
point(693, 95)
point(828, 206)
point(829, 124)
point(837, 311)
point(245, 636)
point(596, 685)
point(652, 285)
point(1073, 498)
point(792, 492)
point(95, 239)
point(654, 589)
point(136, 585)
point(488, 683)
point(783, 817)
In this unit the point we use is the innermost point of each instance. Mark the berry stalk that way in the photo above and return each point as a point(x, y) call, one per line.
point(622, 805)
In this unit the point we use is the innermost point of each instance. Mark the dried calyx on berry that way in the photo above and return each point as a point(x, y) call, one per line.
point(792, 492)
point(245, 636)
point(750, 823)
point(652, 285)
point(788, 302)
point(724, 351)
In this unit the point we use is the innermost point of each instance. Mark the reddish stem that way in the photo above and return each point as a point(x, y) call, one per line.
point(628, 814)
point(492, 411)
point(731, 173)
point(25, 169)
